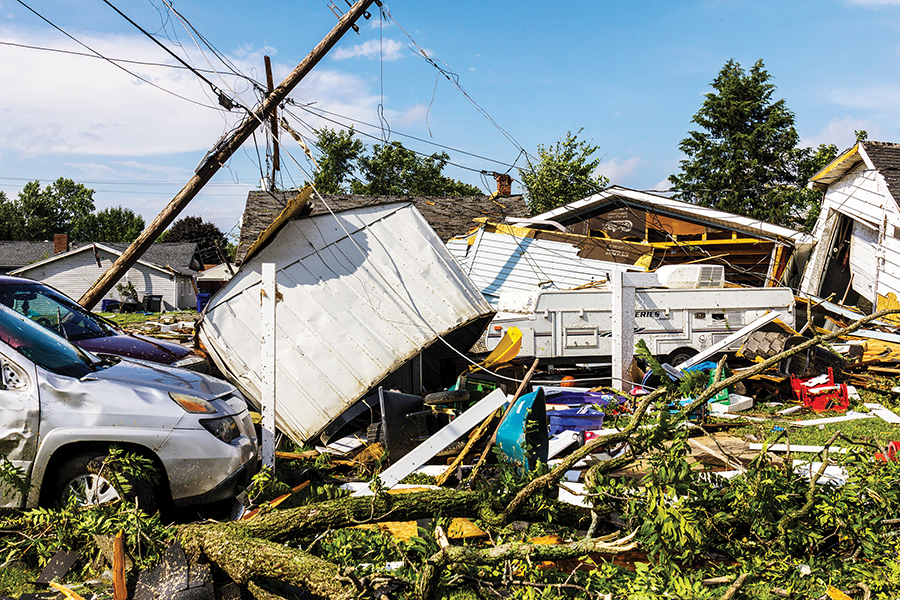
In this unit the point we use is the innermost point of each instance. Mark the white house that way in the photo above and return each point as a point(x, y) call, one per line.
point(857, 257)
point(166, 270)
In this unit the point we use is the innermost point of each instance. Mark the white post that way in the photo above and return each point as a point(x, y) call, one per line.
point(267, 306)
point(622, 331)
point(623, 299)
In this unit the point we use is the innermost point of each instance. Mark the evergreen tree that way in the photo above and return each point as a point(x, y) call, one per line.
point(564, 173)
point(745, 160)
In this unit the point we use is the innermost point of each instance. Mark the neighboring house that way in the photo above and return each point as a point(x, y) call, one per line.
point(857, 259)
point(166, 270)
point(17, 254)
point(624, 222)
point(447, 216)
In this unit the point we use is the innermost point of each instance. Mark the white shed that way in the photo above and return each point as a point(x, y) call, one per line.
point(75, 271)
point(857, 255)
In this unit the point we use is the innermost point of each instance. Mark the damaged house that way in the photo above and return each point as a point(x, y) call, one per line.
point(857, 259)
point(621, 229)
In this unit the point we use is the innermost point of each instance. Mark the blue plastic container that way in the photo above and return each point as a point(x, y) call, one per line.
point(202, 299)
point(574, 419)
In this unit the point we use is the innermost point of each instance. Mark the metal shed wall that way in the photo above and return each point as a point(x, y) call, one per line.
point(362, 292)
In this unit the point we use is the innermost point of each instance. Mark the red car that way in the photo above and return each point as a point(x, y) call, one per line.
point(60, 314)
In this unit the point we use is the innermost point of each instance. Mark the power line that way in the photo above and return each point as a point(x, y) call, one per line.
point(224, 101)
point(110, 61)
point(117, 60)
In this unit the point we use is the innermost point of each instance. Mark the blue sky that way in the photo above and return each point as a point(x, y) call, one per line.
point(631, 75)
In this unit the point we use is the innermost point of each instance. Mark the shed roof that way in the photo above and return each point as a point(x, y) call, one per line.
point(447, 216)
point(665, 205)
point(884, 157)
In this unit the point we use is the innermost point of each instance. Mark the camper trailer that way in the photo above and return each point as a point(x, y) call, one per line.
point(690, 311)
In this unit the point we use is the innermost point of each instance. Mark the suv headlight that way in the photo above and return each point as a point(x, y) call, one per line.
point(225, 428)
point(193, 404)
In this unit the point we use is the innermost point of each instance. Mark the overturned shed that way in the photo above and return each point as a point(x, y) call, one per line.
point(364, 295)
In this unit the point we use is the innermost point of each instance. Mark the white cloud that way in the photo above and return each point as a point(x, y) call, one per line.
point(874, 2)
point(617, 169)
point(59, 104)
point(840, 132)
point(873, 97)
point(388, 49)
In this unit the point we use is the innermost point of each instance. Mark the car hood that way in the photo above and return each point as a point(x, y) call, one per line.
point(136, 346)
point(131, 394)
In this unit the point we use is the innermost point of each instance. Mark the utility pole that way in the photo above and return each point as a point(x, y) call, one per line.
point(218, 155)
point(276, 166)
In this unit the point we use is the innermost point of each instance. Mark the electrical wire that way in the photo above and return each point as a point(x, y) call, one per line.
point(118, 60)
point(224, 101)
point(110, 61)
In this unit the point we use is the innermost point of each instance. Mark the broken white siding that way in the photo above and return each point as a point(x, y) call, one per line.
point(862, 196)
point(361, 292)
point(497, 262)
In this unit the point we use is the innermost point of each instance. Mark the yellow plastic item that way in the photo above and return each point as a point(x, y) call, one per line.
point(506, 350)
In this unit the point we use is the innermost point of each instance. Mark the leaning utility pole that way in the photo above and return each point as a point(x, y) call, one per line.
point(217, 157)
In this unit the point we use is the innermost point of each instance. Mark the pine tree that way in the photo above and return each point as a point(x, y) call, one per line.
point(744, 160)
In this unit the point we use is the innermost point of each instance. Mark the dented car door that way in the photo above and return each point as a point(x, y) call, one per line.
point(19, 419)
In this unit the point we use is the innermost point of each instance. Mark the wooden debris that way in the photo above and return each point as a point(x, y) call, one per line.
point(58, 566)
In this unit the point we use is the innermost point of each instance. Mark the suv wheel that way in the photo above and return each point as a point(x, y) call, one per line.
point(82, 477)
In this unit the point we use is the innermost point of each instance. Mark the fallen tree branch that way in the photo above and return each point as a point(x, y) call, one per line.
point(246, 559)
point(426, 585)
point(293, 523)
point(734, 587)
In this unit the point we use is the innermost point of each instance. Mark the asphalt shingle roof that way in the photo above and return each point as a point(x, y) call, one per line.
point(886, 158)
point(447, 216)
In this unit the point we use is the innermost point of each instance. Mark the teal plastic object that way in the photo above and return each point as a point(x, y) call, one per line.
point(523, 437)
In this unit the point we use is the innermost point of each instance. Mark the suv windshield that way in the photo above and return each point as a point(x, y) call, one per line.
point(43, 347)
point(54, 311)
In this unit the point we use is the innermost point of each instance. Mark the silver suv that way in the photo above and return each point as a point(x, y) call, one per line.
point(61, 408)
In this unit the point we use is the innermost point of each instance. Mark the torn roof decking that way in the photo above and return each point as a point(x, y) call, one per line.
point(754, 252)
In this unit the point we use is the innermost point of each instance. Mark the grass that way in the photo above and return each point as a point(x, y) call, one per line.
point(15, 581)
point(134, 319)
point(871, 430)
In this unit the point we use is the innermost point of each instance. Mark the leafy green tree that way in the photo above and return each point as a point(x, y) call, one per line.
point(58, 208)
point(806, 202)
point(11, 220)
point(563, 174)
point(393, 170)
point(114, 224)
point(389, 170)
point(339, 153)
point(206, 235)
point(745, 158)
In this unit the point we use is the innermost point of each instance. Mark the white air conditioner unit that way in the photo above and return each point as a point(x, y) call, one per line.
point(691, 276)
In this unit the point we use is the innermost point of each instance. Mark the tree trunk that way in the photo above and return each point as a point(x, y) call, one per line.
point(246, 558)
